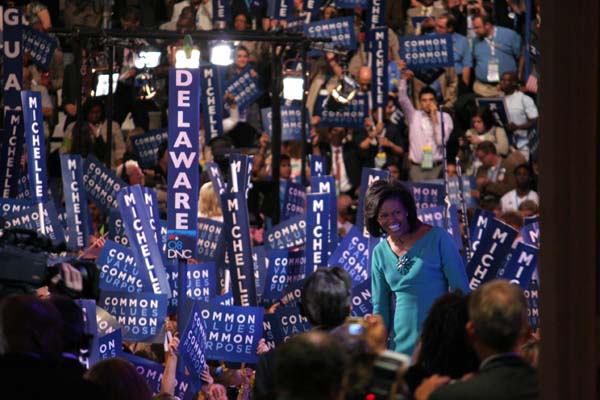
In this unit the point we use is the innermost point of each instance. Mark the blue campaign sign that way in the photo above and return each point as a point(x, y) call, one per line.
point(105, 322)
point(193, 342)
point(239, 250)
point(29, 218)
point(90, 356)
point(118, 270)
point(140, 231)
point(266, 115)
point(11, 148)
point(340, 30)
point(146, 145)
point(269, 326)
point(39, 45)
point(223, 300)
point(210, 239)
point(153, 372)
point(376, 13)
point(287, 234)
point(101, 184)
point(490, 254)
point(362, 305)
point(351, 3)
point(291, 123)
point(285, 267)
point(280, 9)
point(317, 230)
point(221, 12)
point(151, 201)
point(454, 190)
point(233, 332)
point(353, 255)
point(497, 106)
point(183, 170)
point(110, 345)
point(36, 150)
point(12, 67)
point(435, 216)
point(142, 315)
point(478, 224)
point(211, 81)
point(520, 267)
point(116, 229)
point(426, 194)
point(326, 184)
point(531, 234)
point(245, 88)
point(427, 51)
point(287, 322)
point(23, 191)
point(292, 294)
point(240, 167)
point(379, 49)
point(75, 200)
point(317, 165)
point(533, 310)
point(259, 263)
point(8, 206)
point(296, 25)
point(214, 173)
point(294, 200)
point(369, 175)
point(351, 116)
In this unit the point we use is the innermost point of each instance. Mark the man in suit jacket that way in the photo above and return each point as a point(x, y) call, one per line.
point(497, 328)
point(496, 176)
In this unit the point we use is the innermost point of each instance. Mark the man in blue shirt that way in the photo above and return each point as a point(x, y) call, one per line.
point(495, 50)
point(463, 61)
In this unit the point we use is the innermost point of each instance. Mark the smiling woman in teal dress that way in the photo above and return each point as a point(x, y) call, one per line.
point(414, 265)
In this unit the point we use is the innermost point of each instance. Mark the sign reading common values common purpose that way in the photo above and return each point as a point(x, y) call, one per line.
point(287, 234)
point(193, 342)
point(39, 45)
point(353, 255)
point(294, 200)
point(232, 332)
point(340, 30)
point(31, 218)
point(183, 170)
point(426, 194)
point(245, 88)
point(427, 51)
point(362, 304)
point(141, 315)
point(350, 116)
point(101, 184)
point(210, 239)
point(118, 270)
point(285, 267)
point(147, 145)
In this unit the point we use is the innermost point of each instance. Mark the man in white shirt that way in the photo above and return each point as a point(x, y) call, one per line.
point(513, 199)
point(521, 110)
point(425, 132)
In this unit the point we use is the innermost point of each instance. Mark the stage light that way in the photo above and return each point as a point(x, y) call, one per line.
point(182, 60)
point(221, 54)
point(343, 93)
point(146, 59)
point(293, 86)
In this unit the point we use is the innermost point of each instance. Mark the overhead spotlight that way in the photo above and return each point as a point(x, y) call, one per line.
point(293, 85)
point(146, 59)
point(102, 84)
point(146, 84)
point(221, 54)
point(184, 60)
point(343, 93)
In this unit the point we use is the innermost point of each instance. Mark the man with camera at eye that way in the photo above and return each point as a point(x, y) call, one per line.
point(497, 328)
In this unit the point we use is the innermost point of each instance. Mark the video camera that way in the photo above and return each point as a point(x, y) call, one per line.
point(28, 264)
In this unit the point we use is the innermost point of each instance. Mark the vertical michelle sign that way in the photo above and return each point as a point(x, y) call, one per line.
point(184, 127)
point(36, 150)
point(76, 203)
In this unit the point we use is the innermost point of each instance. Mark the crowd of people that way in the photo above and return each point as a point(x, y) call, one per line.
point(442, 341)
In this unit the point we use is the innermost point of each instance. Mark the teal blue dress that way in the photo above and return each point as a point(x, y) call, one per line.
point(428, 269)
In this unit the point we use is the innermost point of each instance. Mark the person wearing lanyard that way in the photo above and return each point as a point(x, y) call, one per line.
point(513, 199)
point(495, 50)
point(424, 132)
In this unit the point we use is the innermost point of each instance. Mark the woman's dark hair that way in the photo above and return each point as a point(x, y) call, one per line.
point(119, 379)
point(486, 117)
point(383, 190)
point(326, 297)
point(82, 142)
point(445, 349)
